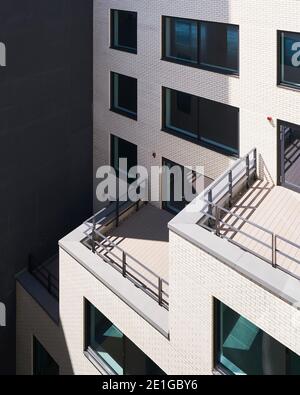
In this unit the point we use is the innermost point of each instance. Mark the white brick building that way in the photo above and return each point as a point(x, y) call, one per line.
point(249, 275)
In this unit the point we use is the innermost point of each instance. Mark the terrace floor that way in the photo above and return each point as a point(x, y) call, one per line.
point(144, 235)
point(274, 208)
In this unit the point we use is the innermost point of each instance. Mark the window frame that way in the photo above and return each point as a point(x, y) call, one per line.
point(198, 140)
point(280, 83)
point(217, 365)
point(133, 51)
point(87, 305)
point(127, 114)
point(214, 69)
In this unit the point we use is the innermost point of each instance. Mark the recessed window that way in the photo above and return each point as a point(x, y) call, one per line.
point(124, 30)
point(181, 39)
point(289, 67)
point(207, 45)
point(202, 121)
point(180, 185)
point(112, 349)
point(244, 349)
point(124, 95)
point(43, 363)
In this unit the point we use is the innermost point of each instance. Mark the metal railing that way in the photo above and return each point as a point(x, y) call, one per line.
point(216, 217)
point(44, 276)
point(128, 266)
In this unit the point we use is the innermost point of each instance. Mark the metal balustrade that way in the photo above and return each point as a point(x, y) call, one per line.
point(129, 267)
point(216, 216)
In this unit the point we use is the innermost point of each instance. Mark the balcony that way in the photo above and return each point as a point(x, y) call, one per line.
point(249, 224)
point(132, 237)
point(255, 215)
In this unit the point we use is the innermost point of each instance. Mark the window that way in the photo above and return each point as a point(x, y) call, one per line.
point(112, 349)
point(124, 30)
point(122, 149)
point(208, 45)
point(179, 185)
point(203, 121)
point(289, 59)
point(43, 363)
point(124, 95)
point(244, 349)
point(289, 155)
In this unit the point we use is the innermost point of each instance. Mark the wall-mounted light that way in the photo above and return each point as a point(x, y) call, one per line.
point(154, 155)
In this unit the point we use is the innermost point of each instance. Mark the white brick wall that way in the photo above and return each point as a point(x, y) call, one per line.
point(254, 92)
point(195, 277)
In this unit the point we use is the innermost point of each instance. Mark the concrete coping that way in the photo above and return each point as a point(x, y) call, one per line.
point(134, 297)
point(277, 282)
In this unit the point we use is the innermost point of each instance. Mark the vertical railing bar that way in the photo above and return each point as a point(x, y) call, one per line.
point(248, 170)
point(124, 264)
point(217, 224)
point(210, 207)
point(274, 250)
point(230, 177)
point(160, 291)
point(94, 236)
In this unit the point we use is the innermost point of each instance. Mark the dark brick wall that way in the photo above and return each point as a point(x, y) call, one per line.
point(45, 136)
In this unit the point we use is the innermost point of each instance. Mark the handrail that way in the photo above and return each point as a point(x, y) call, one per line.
point(44, 276)
point(213, 214)
point(100, 242)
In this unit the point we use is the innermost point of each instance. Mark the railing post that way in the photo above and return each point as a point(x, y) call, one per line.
point(274, 250)
point(117, 212)
point(160, 291)
point(210, 208)
point(94, 235)
point(124, 264)
point(248, 170)
point(217, 224)
point(230, 188)
point(255, 161)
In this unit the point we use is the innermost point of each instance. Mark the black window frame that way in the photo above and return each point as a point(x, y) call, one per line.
point(213, 69)
point(217, 365)
point(132, 50)
point(117, 110)
point(91, 353)
point(198, 140)
point(35, 345)
point(280, 83)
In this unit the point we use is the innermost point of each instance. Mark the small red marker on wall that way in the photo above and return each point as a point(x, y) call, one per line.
point(270, 119)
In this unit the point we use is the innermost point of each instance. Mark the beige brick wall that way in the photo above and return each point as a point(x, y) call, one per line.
point(254, 92)
point(196, 278)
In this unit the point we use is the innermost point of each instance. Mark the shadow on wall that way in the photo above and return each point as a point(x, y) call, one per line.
point(45, 137)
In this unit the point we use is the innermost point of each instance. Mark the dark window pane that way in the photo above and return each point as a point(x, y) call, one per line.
point(43, 363)
point(124, 94)
point(113, 348)
point(124, 30)
point(181, 37)
point(181, 112)
point(246, 349)
point(137, 363)
point(290, 59)
point(219, 125)
point(219, 46)
point(123, 149)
